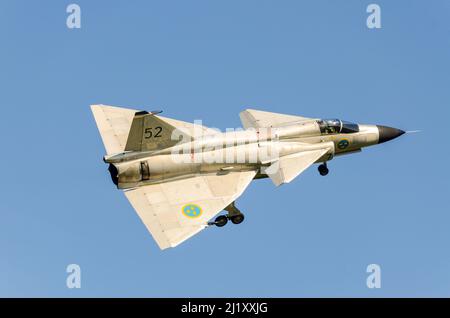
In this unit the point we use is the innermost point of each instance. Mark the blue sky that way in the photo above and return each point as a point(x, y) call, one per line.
point(209, 60)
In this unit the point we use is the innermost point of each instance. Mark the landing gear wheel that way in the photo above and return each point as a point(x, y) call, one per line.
point(323, 169)
point(221, 220)
point(237, 219)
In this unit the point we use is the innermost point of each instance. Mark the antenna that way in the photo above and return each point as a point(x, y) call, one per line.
point(412, 131)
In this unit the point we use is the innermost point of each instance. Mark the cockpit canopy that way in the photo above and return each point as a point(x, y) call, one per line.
point(337, 126)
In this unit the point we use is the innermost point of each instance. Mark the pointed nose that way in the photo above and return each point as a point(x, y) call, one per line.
point(388, 133)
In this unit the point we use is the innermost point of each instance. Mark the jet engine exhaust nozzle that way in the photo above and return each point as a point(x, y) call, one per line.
point(114, 174)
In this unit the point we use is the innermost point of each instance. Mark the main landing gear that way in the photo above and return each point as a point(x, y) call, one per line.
point(220, 221)
point(323, 169)
point(234, 215)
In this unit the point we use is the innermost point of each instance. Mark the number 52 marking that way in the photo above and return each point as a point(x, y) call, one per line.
point(148, 132)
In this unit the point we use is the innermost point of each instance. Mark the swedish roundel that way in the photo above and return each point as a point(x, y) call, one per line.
point(342, 144)
point(192, 210)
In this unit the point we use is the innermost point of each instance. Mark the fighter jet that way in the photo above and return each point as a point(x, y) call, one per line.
point(179, 176)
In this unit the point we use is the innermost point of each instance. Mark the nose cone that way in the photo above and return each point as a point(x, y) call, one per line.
point(388, 133)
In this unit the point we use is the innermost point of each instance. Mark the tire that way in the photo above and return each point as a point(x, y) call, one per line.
point(237, 219)
point(323, 170)
point(221, 220)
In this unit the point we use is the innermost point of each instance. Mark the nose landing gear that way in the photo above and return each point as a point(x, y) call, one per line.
point(323, 169)
point(234, 215)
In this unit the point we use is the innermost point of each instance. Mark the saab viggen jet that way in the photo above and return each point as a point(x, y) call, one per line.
point(178, 176)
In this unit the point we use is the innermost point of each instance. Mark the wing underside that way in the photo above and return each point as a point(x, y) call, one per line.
point(176, 210)
point(287, 168)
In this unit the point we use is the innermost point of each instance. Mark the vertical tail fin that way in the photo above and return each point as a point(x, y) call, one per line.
point(149, 132)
